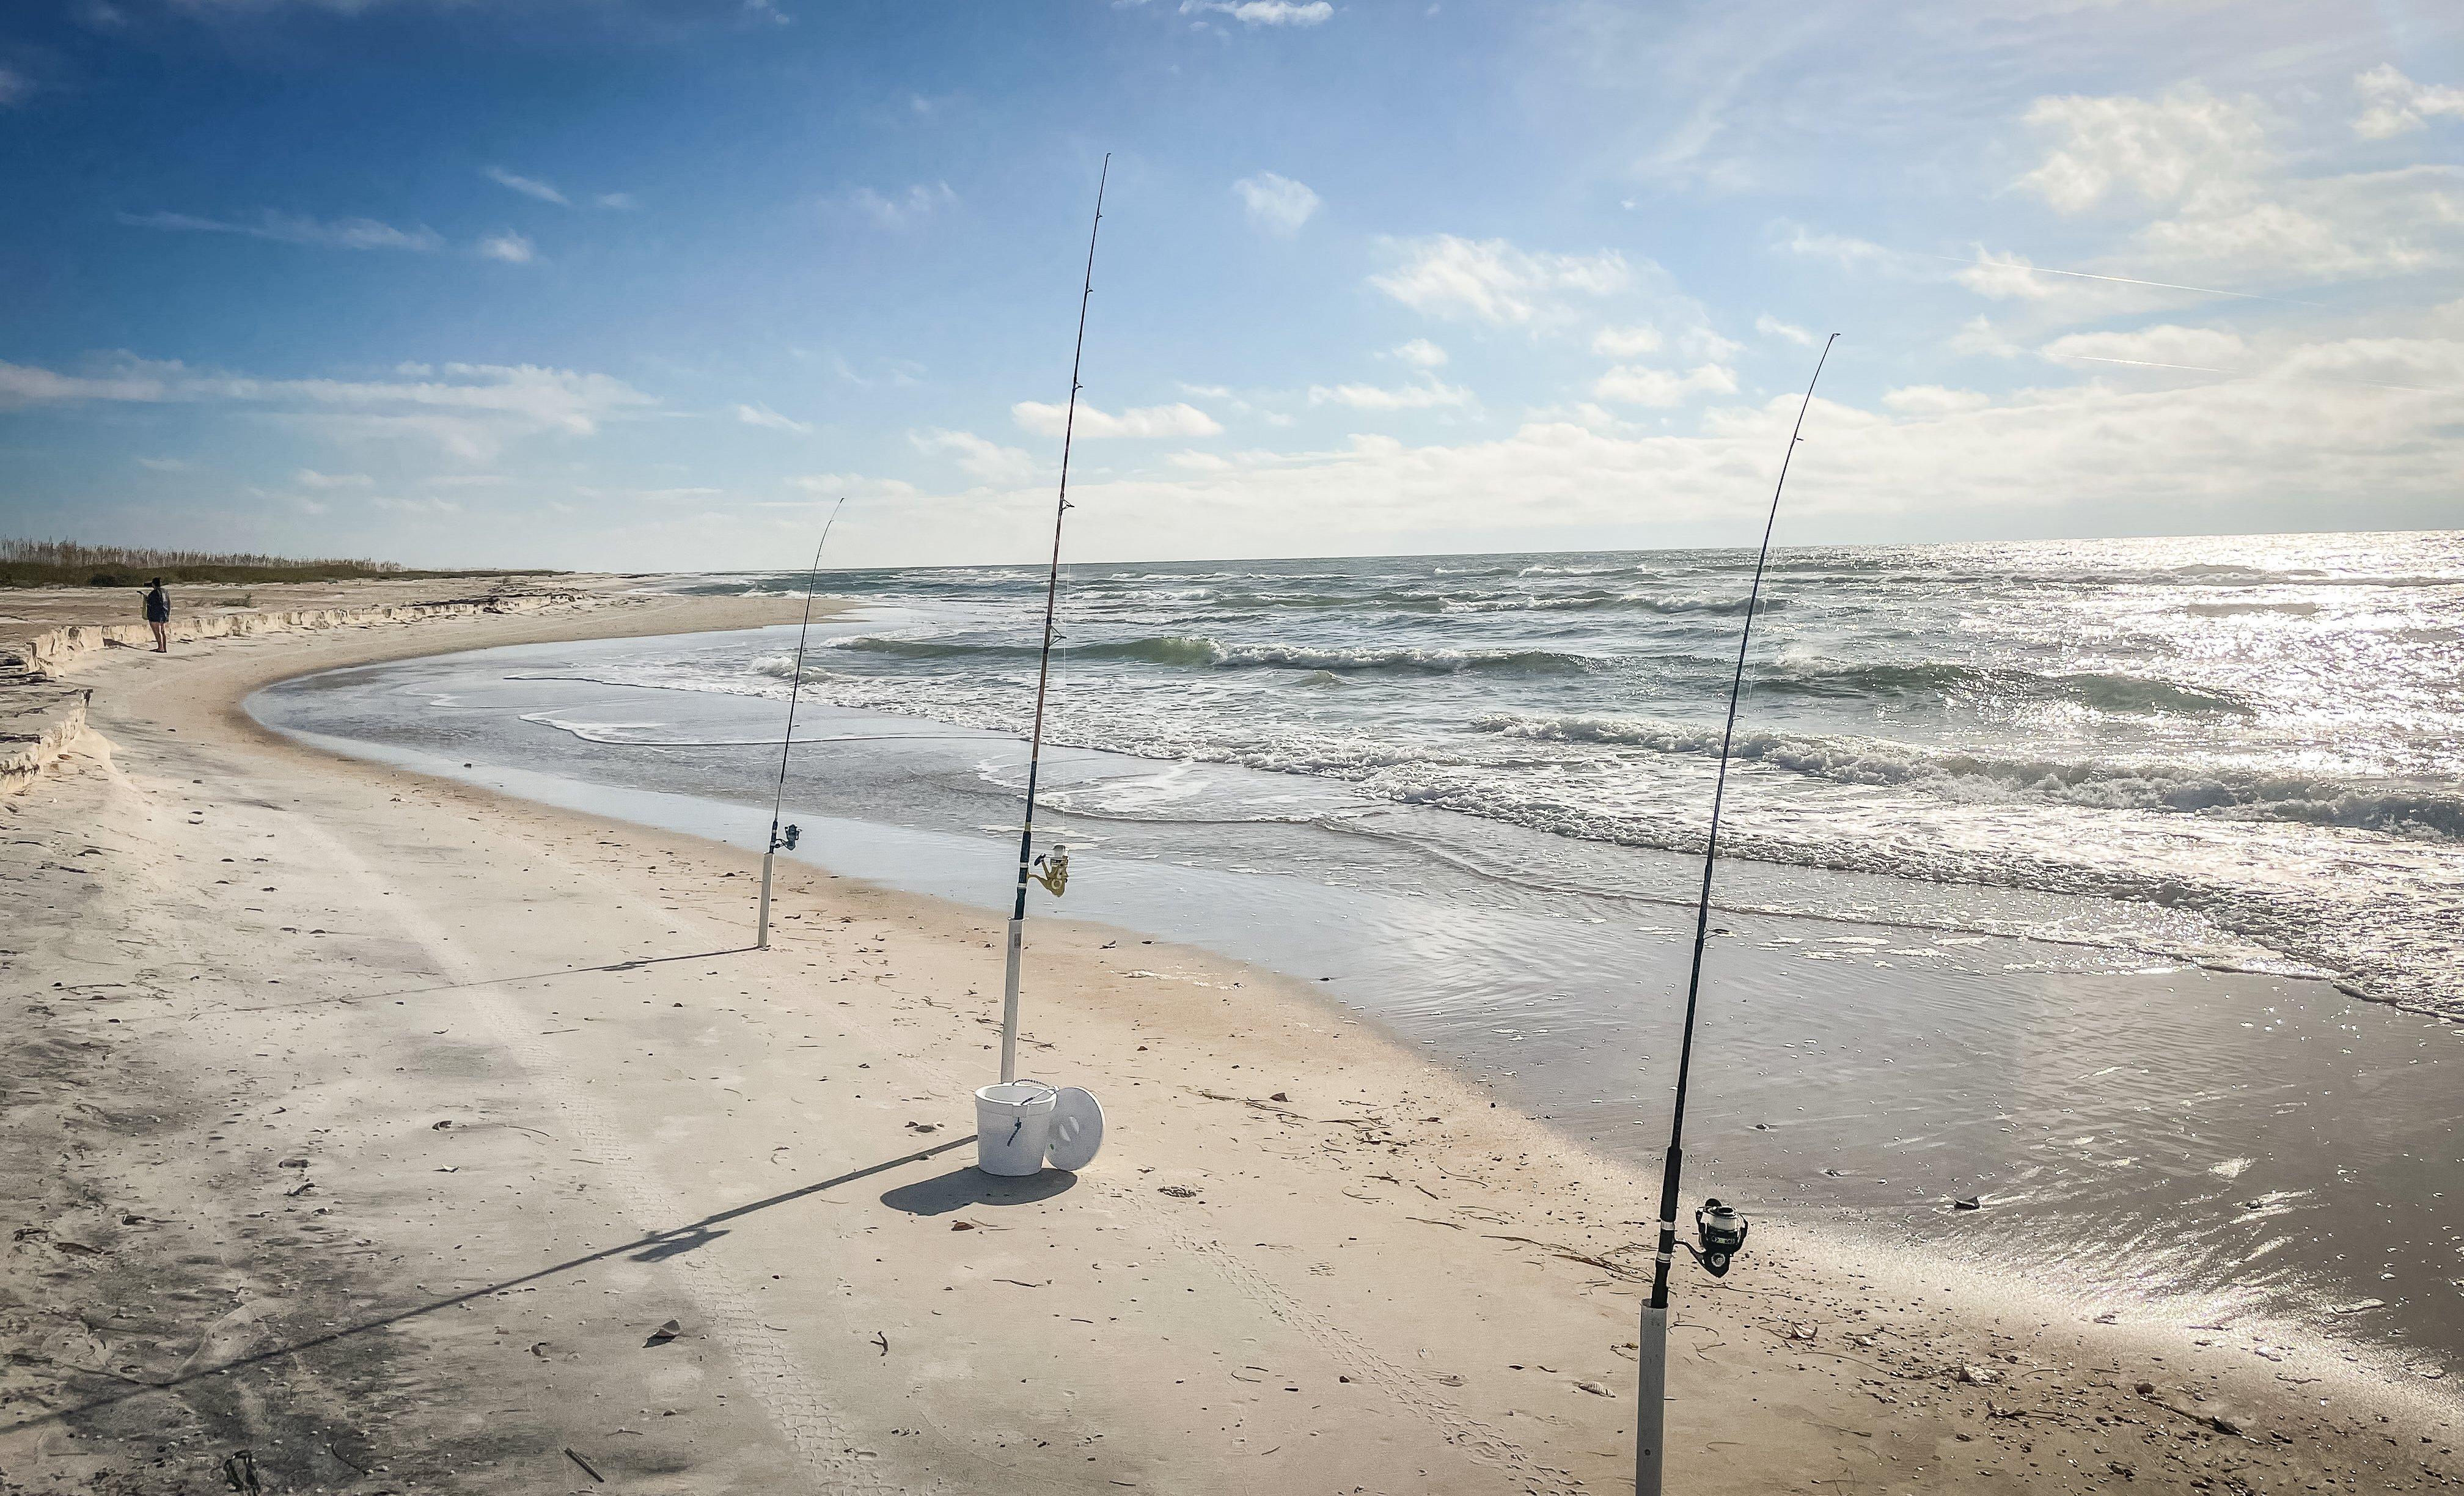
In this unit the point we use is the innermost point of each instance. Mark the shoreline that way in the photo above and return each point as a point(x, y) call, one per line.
point(1432, 1331)
point(2136, 1133)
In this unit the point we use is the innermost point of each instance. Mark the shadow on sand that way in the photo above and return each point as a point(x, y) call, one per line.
point(657, 1247)
point(637, 963)
point(960, 1188)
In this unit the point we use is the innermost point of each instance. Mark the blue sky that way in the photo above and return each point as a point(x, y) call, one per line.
point(649, 283)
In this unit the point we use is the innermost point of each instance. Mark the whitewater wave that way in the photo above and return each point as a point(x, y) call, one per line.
point(1201, 652)
point(2095, 690)
point(2405, 810)
point(2237, 609)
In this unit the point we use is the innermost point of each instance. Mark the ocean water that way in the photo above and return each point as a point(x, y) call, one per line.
point(2252, 747)
point(2045, 861)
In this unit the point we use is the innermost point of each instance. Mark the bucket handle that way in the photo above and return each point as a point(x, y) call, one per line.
point(1019, 1125)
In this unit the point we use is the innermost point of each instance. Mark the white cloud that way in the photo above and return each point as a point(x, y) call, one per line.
point(1173, 420)
point(470, 410)
point(1701, 342)
point(2230, 216)
point(1978, 335)
point(165, 464)
point(512, 248)
point(1927, 399)
point(14, 86)
point(1276, 203)
point(2318, 229)
point(339, 233)
point(1845, 249)
point(1421, 353)
point(1771, 327)
point(528, 186)
point(408, 506)
point(2155, 148)
point(1626, 342)
point(1633, 385)
point(768, 10)
point(2395, 104)
point(1423, 396)
point(678, 495)
point(1492, 281)
point(1263, 12)
point(2004, 276)
point(310, 477)
point(900, 373)
point(24, 385)
point(623, 202)
point(985, 461)
point(758, 414)
point(834, 485)
point(2182, 457)
point(902, 210)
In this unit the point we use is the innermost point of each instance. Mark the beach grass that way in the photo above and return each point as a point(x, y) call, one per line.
point(72, 564)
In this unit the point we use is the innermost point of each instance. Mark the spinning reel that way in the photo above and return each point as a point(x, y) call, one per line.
point(1723, 1230)
point(783, 839)
point(1052, 871)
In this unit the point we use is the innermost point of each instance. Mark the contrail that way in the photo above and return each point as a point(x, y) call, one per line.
point(1983, 259)
point(2150, 363)
point(2204, 369)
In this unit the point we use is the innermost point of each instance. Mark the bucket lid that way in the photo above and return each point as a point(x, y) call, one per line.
point(1077, 1129)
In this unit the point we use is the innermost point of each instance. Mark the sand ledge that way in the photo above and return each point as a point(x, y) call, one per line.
point(1376, 1282)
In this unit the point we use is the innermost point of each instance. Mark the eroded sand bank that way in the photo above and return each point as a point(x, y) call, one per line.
point(375, 1124)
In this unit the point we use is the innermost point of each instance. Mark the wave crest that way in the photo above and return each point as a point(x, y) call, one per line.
point(2400, 809)
point(1198, 651)
point(2098, 691)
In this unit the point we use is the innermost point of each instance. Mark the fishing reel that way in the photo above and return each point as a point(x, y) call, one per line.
point(1052, 871)
point(785, 840)
point(1723, 1230)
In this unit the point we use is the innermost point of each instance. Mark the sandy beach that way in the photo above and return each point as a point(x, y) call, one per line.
point(413, 1137)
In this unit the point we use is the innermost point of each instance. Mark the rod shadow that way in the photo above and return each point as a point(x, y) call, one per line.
point(635, 964)
point(960, 1188)
point(657, 1247)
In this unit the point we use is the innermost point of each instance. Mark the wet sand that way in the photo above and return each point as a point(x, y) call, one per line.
point(385, 1149)
point(2155, 1141)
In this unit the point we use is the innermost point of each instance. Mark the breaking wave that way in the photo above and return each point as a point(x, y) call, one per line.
point(2414, 811)
point(2097, 690)
point(1196, 651)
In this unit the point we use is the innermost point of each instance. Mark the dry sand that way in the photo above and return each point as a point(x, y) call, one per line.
point(376, 1126)
point(28, 610)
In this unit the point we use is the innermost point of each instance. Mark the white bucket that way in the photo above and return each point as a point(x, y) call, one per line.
point(1013, 1127)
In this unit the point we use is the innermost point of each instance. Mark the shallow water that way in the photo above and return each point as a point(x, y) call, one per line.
point(2146, 1136)
point(2255, 744)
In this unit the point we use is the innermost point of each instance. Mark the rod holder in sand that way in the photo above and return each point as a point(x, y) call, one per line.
point(780, 839)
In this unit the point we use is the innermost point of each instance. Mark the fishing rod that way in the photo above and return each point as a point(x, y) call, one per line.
point(1059, 873)
point(787, 743)
point(1721, 1229)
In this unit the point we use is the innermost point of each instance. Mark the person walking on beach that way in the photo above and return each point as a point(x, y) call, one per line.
point(158, 613)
